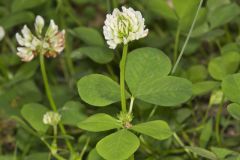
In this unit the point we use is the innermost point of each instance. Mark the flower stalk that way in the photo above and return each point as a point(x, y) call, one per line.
point(51, 100)
point(122, 78)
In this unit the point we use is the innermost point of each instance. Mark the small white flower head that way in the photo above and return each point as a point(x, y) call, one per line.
point(2, 33)
point(51, 118)
point(124, 26)
point(29, 45)
point(51, 44)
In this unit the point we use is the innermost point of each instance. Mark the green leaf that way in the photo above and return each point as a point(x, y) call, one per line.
point(16, 18)
point(203, 152)
point(98, 54)
point(161, 8)
point(221, 66)
point(231, 87)
point(225, 14)
point(99, 122)
point(89, 35)
point(183, 9)
point(93, 155)
point(186, 12)
point(19, 5)
point(7, 157)
point(37, 156)
point(33, 114)
point(72, 113)
point(118, 146)
point(234, 110)
point(197, 73)
point(26, 71)
point(165, 91)
point(16, 96)
point(206, 133)
point(98, 90)
point(204, 87)
point(221, 152)
point(156, 129)
point(144, 65)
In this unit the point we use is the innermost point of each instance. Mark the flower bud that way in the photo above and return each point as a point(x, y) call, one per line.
point(39, 24)
point(2, 33)
point(51, 118)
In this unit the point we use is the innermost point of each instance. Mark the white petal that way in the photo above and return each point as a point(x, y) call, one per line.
point(39, 24)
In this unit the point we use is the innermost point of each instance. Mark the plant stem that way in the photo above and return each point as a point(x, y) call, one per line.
point(46, 83)
point(131, 105)
point(179, 141)
point(50, 98)
point(176, 45)
point(187, 39)
point(84, 148)
point(122, 78)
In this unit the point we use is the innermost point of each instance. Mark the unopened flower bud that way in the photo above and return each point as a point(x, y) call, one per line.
point(51, 118)
point(2, 33)
point(39, 24)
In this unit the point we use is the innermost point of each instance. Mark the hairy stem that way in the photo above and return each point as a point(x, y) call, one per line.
point(122, 78)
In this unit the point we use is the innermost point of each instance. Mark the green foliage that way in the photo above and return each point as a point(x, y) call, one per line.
point(146, 76)
point(230, 86)
point(119, 145)
point(19, 5)
point(190, 114)
point(89, 36)
point(98, 90)
point(99, 122)
point(33, 114)
point(97, 54)
point(224, 65)
point(157, 129)
point(203, 153)
point(234, 110)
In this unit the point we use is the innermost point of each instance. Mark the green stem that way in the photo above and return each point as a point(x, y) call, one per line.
point(50, 98)
point(176, 45)
point(179, 141)
point(46, 83)
point(58, 157)
point(187, 39)
point(122, 78)
point(84, 148)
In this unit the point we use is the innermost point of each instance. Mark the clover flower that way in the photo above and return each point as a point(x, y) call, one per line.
point(2, 33)
point(123, 27)
point(51, 118)
point(51, 44)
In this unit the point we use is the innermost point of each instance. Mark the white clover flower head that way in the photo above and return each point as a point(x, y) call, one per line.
point(51, 118)
point(2, 33)
point(29, 44)
point(124, 26)
point(51, 44)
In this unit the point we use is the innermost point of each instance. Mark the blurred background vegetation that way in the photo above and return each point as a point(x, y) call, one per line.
point(212, 53)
